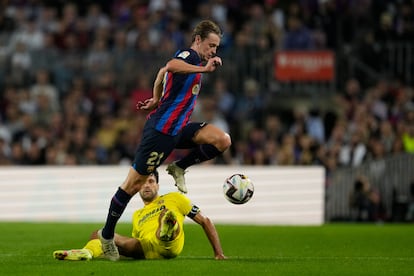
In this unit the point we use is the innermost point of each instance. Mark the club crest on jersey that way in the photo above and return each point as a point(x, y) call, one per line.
point(184, 54)
point(196, 89)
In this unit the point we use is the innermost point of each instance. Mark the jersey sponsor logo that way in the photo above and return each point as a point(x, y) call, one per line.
point(184, 54)
point(196, 89)
point(151, 214)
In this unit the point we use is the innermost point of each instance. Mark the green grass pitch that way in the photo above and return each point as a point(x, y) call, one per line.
point(332, 249)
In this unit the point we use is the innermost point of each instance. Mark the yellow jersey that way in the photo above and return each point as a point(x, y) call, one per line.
point(145, 222)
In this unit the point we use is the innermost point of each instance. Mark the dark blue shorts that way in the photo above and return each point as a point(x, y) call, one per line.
point(156, 146)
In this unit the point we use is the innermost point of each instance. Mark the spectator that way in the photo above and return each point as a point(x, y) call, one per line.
point(224, 98)
point(20, 64)
point(376, 158)
point(304, 150)
point(70, 63)
point(5, 150)
point(408, 135)
point(249, 107)
point(44, 110)
point(385, 31)
point(141, 91)
point(107, 132)
point(366, 201)
point(410, 208)
point(12, 123)
point(256, 141)
point(286, 153)
point(315, 126)
point(98, 59)
point(352, 97)
point(45, 58)
point(122, 56)
point(353, 152)
point(43, 87)
point(95, 18)
point(17, 154)
point(297, 36)
point(387, 135)
point(374, 99)
point(47, 21)
point(29, 35)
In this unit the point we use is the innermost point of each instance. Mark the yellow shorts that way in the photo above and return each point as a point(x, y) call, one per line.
point(155, 249)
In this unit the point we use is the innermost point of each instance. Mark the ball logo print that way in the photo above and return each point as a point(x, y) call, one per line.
point(238, 189)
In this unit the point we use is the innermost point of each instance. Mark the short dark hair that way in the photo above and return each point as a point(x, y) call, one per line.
point(204, 28)
point(156, 175)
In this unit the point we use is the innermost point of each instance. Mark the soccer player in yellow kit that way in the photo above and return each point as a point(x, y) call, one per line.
point(157, 228)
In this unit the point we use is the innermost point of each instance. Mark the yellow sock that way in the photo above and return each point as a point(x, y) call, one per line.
point(95, 247)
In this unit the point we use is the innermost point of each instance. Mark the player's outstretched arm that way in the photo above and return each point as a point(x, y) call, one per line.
point(212, 235)
point(179, 66)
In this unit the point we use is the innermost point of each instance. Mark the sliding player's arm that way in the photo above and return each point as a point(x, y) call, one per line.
point(211, 233)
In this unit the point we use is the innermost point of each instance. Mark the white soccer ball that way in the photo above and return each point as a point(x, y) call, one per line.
point(238, 189)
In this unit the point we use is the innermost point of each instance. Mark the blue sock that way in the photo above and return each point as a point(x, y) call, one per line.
point(116, 208)
point(200, 154)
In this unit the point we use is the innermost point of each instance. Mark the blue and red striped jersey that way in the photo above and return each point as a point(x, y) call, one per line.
point(179, 97)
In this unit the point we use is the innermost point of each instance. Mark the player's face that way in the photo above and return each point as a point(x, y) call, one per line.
point(207, 48)
point(149, 189)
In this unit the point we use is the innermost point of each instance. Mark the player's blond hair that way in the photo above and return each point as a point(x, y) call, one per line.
point(204, 28)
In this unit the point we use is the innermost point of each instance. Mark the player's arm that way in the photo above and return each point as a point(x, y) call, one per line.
point(157, 89)
point(211, 233)
point(177, 65)
point(159, 84)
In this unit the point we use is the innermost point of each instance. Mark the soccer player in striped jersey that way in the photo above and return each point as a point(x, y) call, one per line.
point(168, 125)
point(157, 229)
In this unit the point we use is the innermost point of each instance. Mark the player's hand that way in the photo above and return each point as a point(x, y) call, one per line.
point(148, 104)
point(213, 63)
point(220, 257)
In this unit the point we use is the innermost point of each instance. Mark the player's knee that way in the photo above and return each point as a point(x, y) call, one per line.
point(224, 142)
point(133, 183)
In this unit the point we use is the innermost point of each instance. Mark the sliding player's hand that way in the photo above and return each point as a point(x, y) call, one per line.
point(220, 257)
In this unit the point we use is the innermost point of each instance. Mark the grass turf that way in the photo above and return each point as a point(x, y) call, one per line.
point(333, 249)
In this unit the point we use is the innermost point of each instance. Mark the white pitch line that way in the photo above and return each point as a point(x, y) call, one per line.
point(380, 258)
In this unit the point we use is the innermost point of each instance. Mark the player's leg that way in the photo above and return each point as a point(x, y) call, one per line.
point(168, 226)
point(169, 237)
point(207, 141)
point(92, 249)
point(119, 202)
point(153, 150)
point(135, 179)
point(129, 247)
point(73, 255)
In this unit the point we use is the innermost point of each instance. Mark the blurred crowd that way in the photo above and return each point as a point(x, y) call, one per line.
point(71, 73)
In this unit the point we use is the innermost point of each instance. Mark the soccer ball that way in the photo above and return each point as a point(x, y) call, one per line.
point(238, 189)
